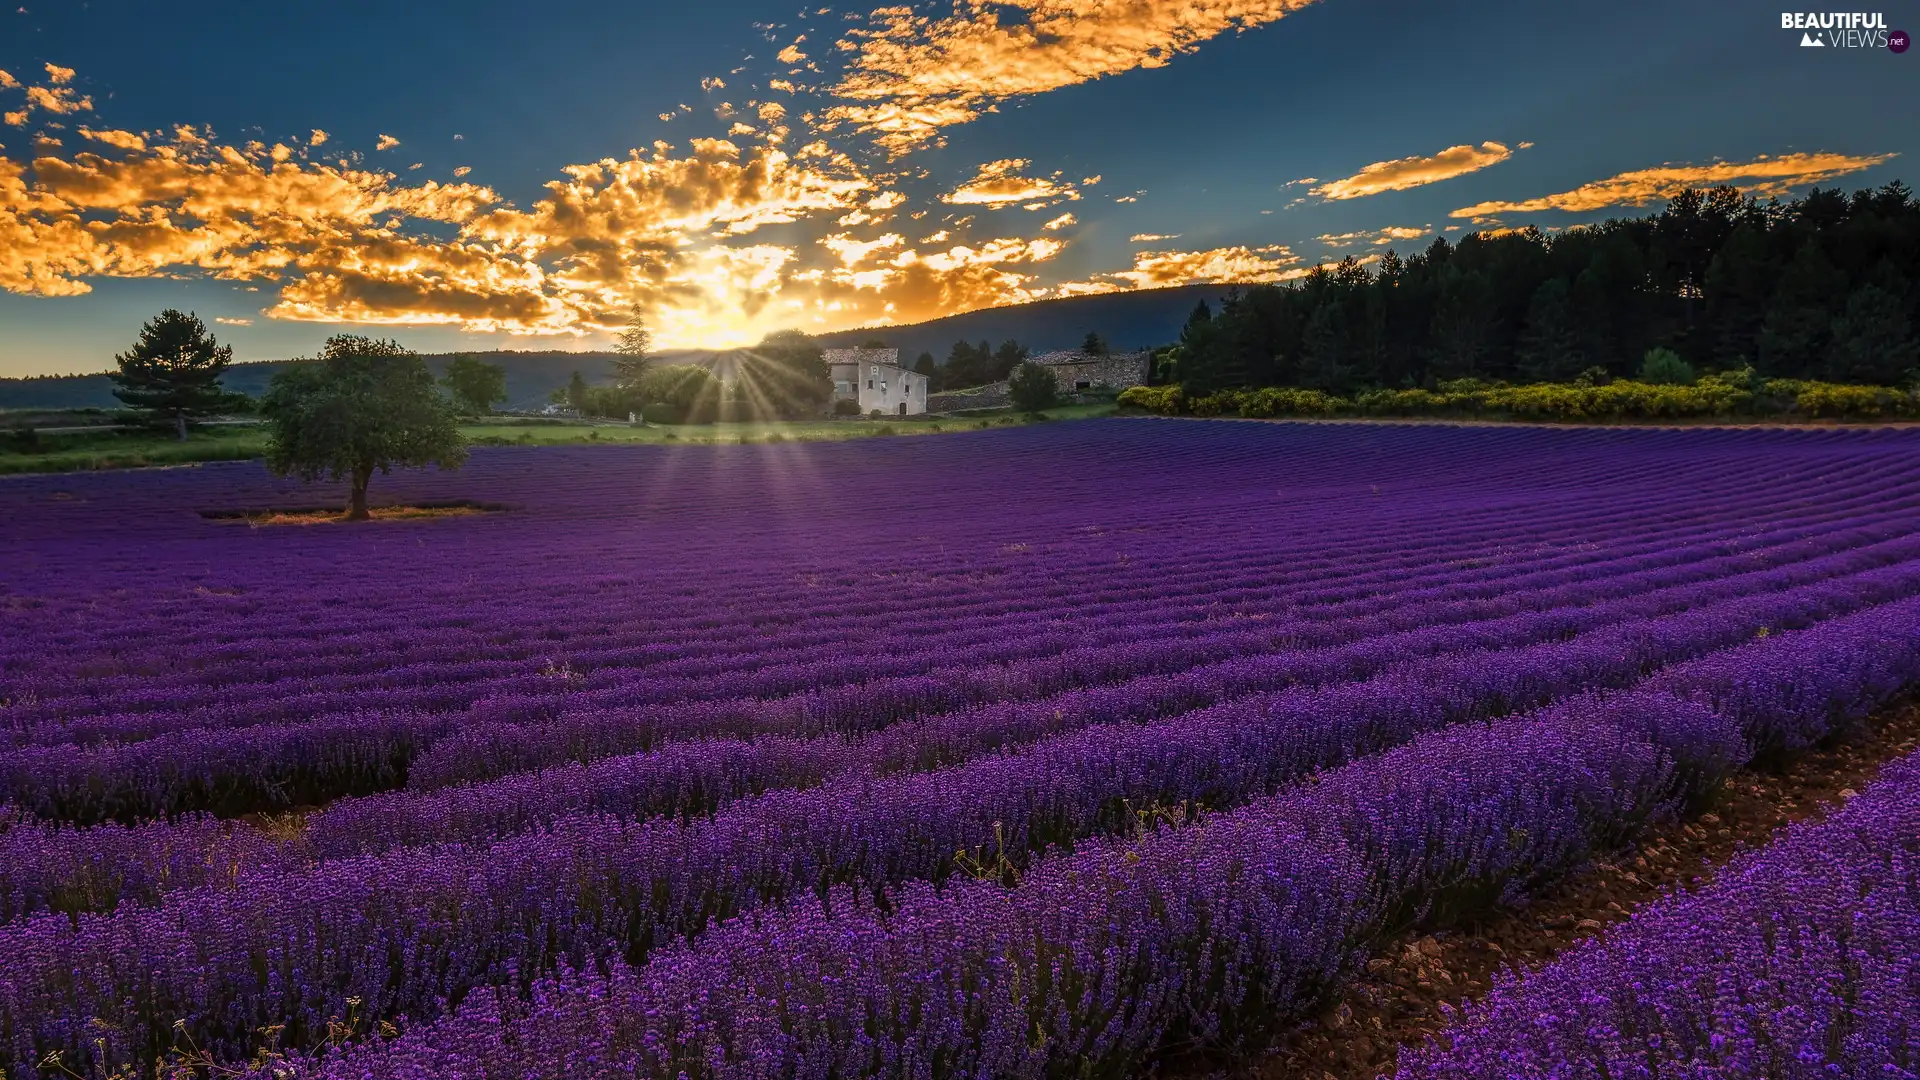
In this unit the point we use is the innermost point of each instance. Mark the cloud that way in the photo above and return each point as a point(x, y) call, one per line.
point(912, 75)
point(462, 170)
point(318, 138)
point(1376, 237)
point(1411, 172)
point(225, 321)
point(60, 75)
point(999, 183)
point(386, 142)
point(712, 83)
point(1158, 269)
point(1060, 222)
point(8, 82)
point(125, 140)
point(1762, 177)
point(1151, 237)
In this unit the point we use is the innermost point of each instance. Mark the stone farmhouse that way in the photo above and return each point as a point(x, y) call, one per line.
point(875, 379)
point(1078, 371)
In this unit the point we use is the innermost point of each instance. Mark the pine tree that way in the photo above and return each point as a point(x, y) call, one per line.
point(1794, 338)
point(1872, 342)
point(1324, 361)
point(173, 372)
point(1548, 351)
point(631, 349)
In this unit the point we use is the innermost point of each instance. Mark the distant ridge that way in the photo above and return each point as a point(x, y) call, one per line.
point(1126, 320)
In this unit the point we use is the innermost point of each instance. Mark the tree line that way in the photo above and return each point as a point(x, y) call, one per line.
point(1822, 287)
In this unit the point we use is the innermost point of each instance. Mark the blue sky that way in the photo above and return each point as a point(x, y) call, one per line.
point(912, 166)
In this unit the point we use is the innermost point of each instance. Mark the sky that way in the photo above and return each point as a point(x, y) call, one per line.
point(491, 175)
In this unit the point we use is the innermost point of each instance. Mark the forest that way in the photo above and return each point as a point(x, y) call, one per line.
point(1818, 288)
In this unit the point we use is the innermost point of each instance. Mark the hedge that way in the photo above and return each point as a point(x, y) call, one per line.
point(1728, 395)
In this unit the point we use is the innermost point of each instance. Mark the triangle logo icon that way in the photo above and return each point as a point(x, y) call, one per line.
point(1808, 41)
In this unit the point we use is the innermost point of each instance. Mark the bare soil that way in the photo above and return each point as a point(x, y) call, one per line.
point(338, 516)
point(1403, 996)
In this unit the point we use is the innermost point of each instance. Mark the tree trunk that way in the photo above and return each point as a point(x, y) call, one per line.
point(357, 507)
point(180, 426)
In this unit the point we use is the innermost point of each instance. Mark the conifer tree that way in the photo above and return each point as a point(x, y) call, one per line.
point(172, 373)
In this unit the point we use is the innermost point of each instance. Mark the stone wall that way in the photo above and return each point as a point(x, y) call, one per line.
point(1113, 372)
point(991, 396)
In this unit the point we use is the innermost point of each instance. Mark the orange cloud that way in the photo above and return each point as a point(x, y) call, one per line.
point(1157, 269)
point(60, 75)
point(225, 321)
point(1061, 222)
point(1411, 172)
point(1763, 176)
point(125, 140)
point(999, 183)
point(912, 75)
point(1377, 237)
point(1152, 238)
point(385, 142)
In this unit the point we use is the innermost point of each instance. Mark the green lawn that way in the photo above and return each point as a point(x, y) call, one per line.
point(81, 451)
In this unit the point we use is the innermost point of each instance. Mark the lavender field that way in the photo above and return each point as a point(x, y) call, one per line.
point(1049, 751)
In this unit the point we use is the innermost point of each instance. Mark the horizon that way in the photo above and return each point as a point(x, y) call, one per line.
point(733, 172)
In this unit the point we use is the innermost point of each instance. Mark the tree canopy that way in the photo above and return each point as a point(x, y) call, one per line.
point(978, 365)
point(1032, 388)
point(360, 405)
point(476, 386)
point(785, 375)
point(172, 373)
point(1823, 287)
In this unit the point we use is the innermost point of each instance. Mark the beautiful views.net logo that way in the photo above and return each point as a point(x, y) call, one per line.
point(1844, 30)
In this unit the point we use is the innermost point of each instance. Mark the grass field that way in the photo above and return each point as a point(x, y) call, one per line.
point(85, 451)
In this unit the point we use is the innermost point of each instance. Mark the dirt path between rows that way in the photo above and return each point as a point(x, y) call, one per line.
point(1402, 996)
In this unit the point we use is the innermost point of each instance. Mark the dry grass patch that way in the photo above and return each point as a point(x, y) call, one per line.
point(334, 515)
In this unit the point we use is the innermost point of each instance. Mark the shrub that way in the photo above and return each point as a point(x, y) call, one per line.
point(1289, 401)
point(846, 407)
point(1032, 388)
point(1219, 403)
point(662, 412)
point(1164, 400)
point(1663, 367)
point(875, 414)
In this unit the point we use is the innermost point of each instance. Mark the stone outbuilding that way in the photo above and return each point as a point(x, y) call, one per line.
point(1078, 371)
point(874, 379)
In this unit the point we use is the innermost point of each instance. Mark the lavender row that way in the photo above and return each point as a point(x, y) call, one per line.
point(525, 733)
point(1797, 962)
point(1167, 945)
point(1217, 935)
point(248, 769)
point(699, 776)
point(397, 639)
point(818, 622)
point(407, 932)
point(438, 687)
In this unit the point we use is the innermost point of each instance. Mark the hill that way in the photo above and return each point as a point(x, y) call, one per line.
point(1126, 320)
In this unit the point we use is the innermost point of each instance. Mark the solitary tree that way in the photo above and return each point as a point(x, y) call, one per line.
point(173, 372)
point(632, 348)
point(360, 405)
point(476, 385)
point(1032, 388)
point(925, 365)
point(1094, 345)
